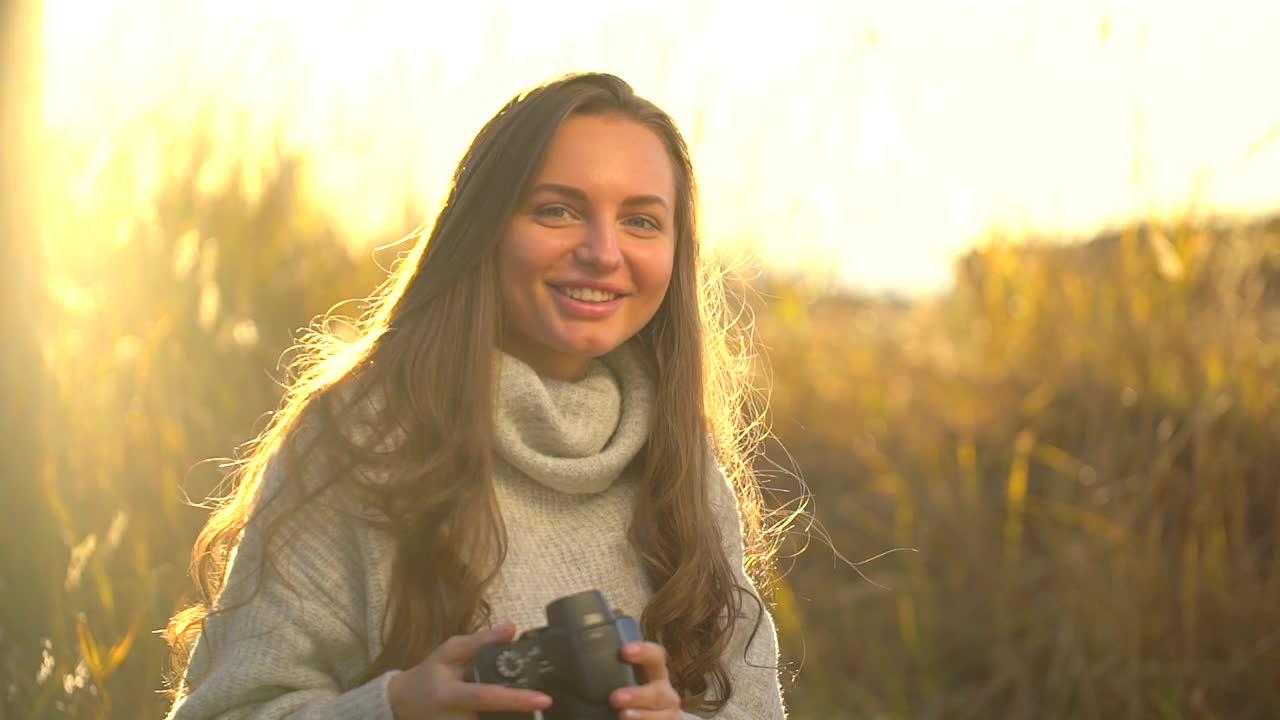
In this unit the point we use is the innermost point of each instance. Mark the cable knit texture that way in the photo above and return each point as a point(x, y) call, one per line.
point(297, 638)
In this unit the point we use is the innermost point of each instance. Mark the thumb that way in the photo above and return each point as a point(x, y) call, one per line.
point(460, 649)
point(506, 632)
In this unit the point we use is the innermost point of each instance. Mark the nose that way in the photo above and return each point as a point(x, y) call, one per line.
point(599, 248)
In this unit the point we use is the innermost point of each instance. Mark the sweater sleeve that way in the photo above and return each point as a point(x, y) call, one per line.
point(286, 638)
point(750, 660)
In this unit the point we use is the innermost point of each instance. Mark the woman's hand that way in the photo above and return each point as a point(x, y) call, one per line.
point(656, 699)
point(434, 689)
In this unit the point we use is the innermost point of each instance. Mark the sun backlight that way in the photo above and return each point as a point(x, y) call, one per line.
point(873, 142)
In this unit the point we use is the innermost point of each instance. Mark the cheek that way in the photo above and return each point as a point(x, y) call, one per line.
point(652, 266)
point(658, 271)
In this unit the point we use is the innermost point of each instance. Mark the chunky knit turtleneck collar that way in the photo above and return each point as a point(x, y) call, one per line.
point(573, 436)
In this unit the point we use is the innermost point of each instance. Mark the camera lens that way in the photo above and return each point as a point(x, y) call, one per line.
point(583, 610)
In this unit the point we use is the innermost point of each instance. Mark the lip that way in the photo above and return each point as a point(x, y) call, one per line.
point(583, 310)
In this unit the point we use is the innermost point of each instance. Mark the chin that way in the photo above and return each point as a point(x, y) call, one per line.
point(591, 348)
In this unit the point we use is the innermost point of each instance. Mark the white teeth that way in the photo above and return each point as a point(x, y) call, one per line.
point(587, 294)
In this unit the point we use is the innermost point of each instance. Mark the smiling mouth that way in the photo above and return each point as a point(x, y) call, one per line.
point(586, 294)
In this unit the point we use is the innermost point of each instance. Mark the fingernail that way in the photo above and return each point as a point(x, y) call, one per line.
point(542, 702)
point(624, 697)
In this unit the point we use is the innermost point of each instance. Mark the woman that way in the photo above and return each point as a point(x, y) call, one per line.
point(542, 400)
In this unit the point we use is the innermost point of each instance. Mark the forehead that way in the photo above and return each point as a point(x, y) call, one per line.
point(603, 154)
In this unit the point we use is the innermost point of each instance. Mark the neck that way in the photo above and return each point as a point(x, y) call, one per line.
point(567, 367)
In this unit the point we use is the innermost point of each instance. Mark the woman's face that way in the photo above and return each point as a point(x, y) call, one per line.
point(586, 260)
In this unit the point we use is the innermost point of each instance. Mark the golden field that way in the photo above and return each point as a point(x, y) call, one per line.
point(1073, 453)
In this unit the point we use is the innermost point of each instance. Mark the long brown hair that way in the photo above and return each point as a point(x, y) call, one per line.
point(426, 348)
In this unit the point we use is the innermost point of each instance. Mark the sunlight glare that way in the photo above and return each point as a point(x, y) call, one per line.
point(874, 138)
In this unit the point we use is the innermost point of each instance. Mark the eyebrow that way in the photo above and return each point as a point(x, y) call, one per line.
point(577, 194)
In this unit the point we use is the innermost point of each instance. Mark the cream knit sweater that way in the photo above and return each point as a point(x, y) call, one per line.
point(296, 649)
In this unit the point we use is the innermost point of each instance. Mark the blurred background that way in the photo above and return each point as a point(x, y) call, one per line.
point(1015, 269)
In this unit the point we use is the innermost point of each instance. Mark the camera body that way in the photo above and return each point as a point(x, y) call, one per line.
point(576, 659)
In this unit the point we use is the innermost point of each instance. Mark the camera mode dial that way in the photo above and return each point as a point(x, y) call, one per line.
point(509, 664)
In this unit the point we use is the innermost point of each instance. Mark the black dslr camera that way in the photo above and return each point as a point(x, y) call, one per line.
point(576, 659)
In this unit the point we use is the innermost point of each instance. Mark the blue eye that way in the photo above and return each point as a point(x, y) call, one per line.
point(644, 222)
point(559, 212)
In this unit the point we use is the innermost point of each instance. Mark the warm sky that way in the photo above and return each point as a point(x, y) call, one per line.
point(871, 139)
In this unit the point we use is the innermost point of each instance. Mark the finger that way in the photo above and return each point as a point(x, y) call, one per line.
point(651, 657)
point(460, 649)
point(636, 714)
point(483, 697)
point(654, 696)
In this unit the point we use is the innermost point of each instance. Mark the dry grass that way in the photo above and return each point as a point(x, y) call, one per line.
point(1082, 444)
